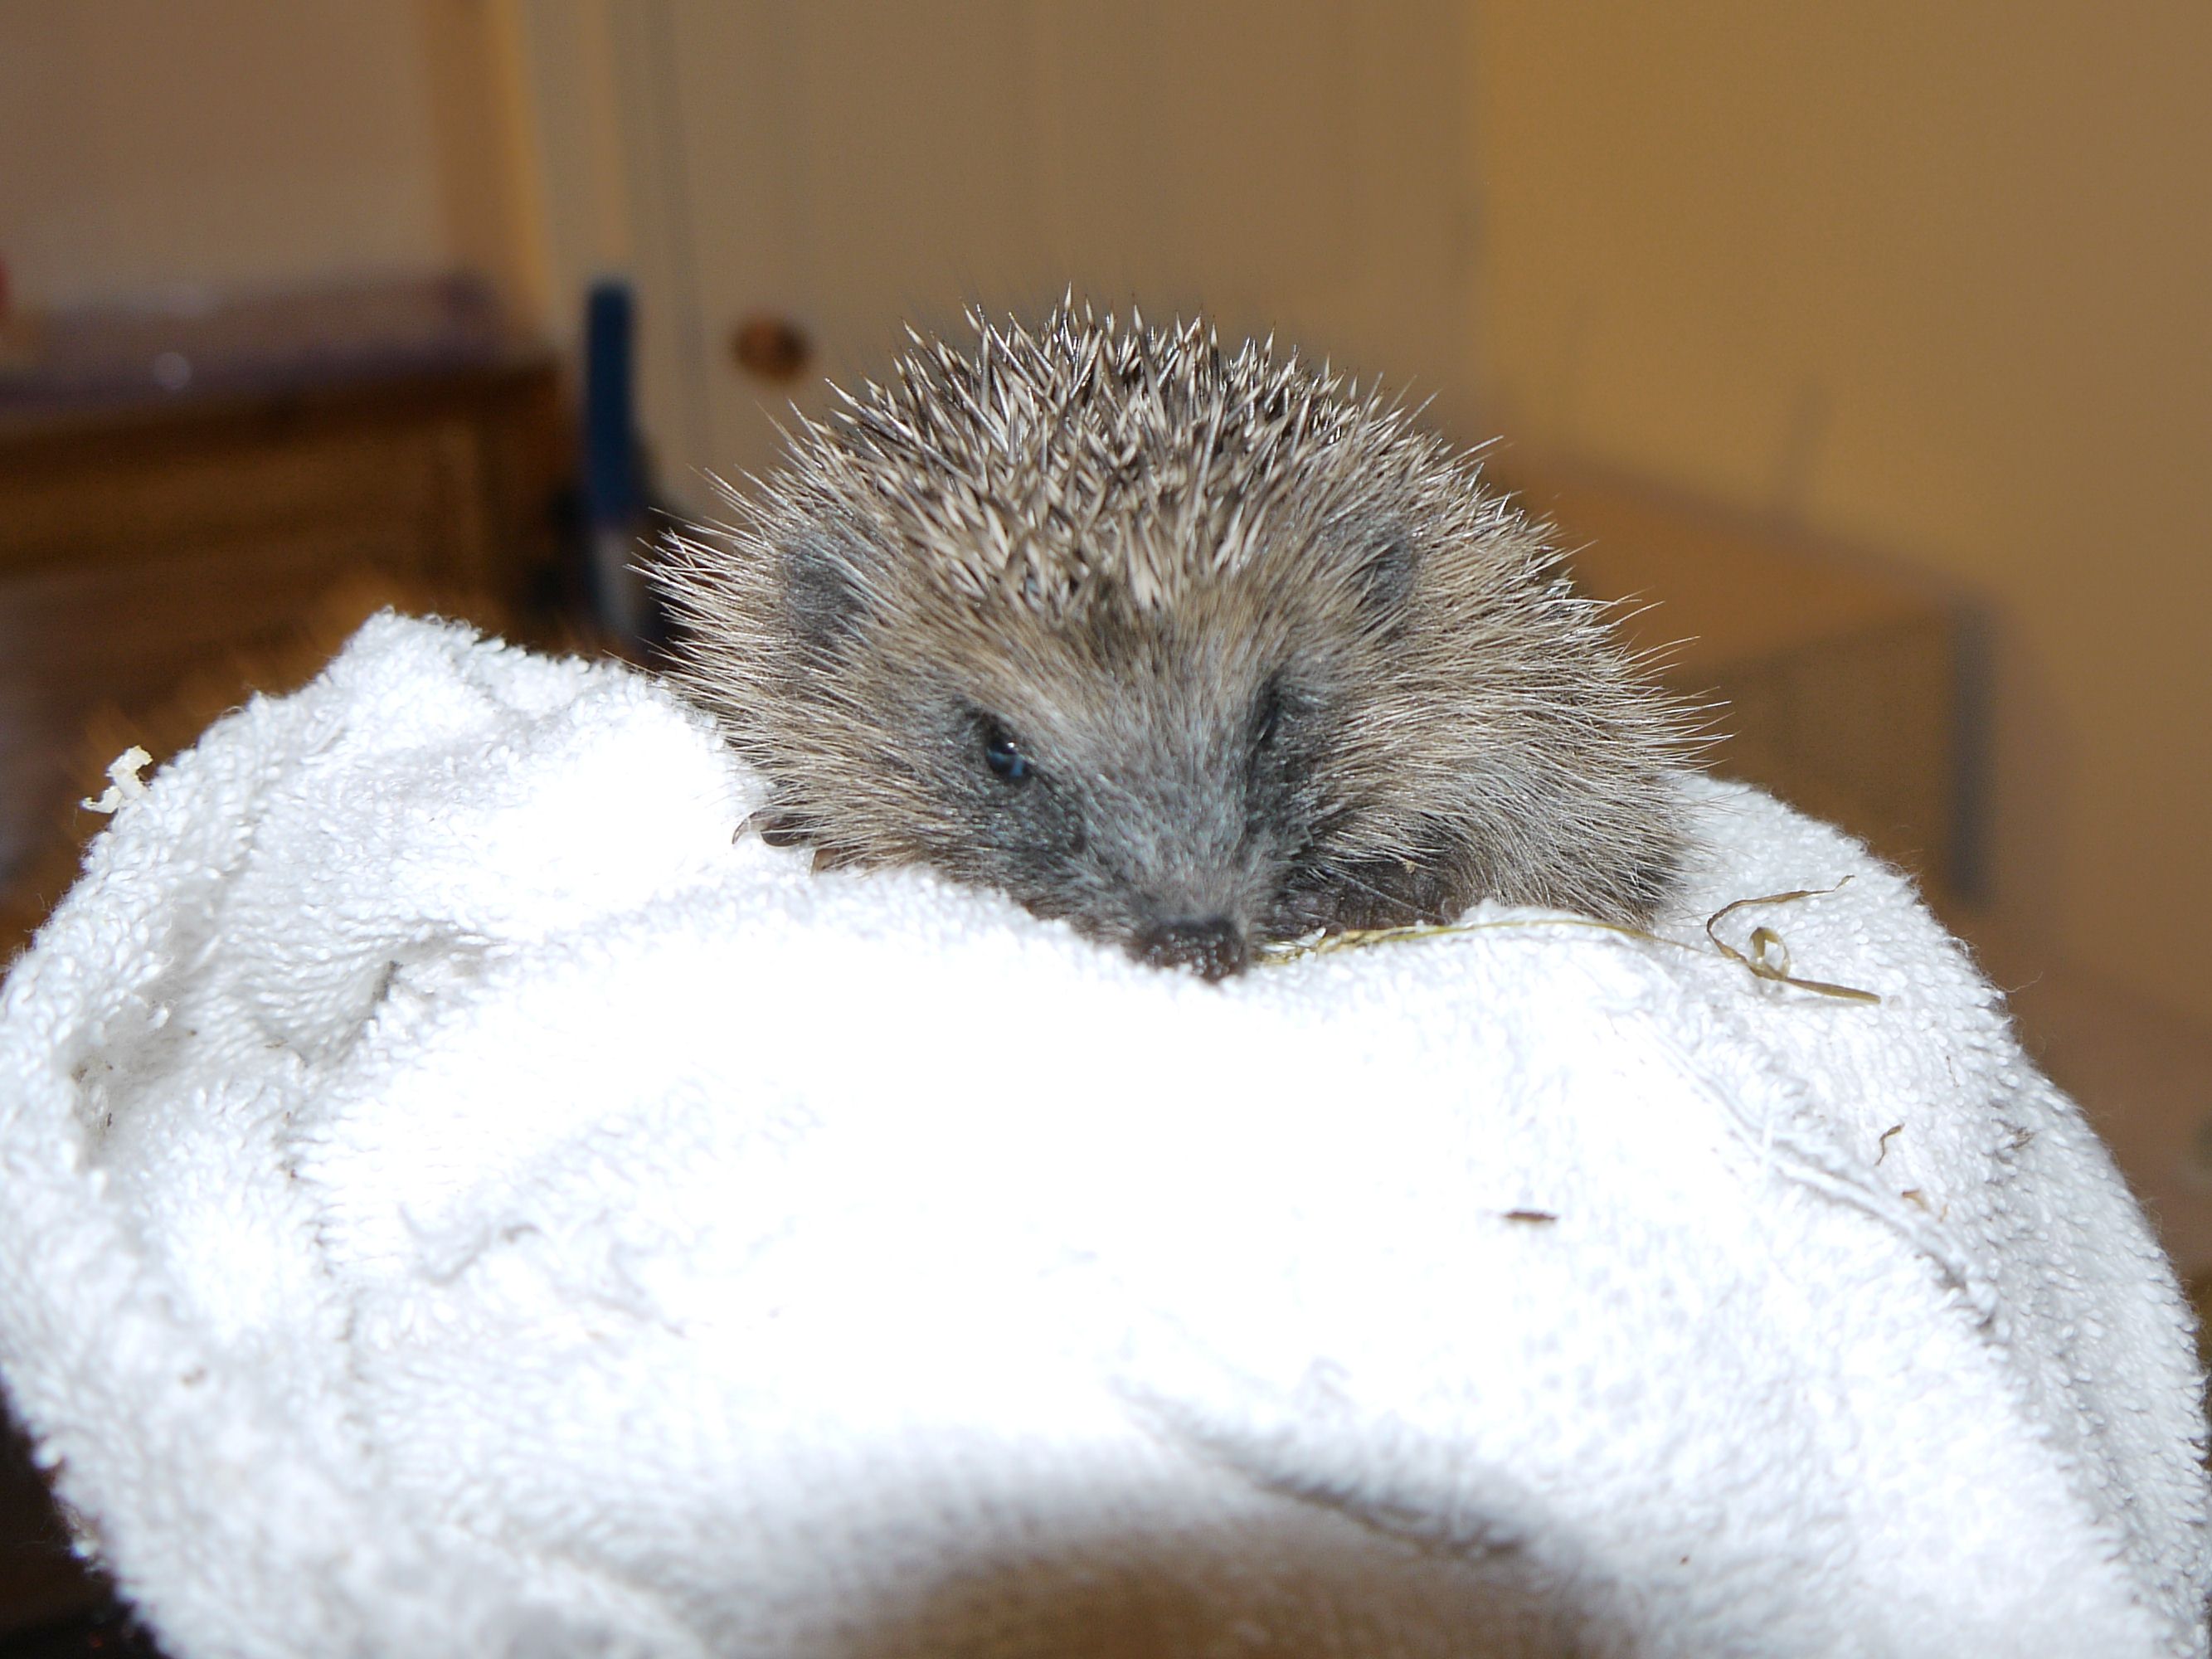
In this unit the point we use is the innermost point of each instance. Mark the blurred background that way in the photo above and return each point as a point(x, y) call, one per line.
point(1872, 341)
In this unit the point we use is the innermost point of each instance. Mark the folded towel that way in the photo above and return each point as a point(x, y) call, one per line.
point(459, 1200)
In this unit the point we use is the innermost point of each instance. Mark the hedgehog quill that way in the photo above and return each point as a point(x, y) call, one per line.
point(1195, 649)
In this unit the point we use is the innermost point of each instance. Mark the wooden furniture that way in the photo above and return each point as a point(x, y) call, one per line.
point(158, 561)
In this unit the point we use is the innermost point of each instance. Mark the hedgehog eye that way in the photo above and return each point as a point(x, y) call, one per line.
point(1003, 755)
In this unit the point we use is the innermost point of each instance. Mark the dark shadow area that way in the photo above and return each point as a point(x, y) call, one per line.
point(107, 1633)
point(1285, 1582)
point(51, 1605)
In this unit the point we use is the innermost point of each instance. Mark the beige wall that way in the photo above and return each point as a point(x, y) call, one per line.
point(1932, 280)
point(151, 143)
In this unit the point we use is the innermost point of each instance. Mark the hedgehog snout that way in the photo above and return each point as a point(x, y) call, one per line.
point(1213, 947)
point(1190, 897)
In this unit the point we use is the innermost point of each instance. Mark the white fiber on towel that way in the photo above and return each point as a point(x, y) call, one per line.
point(460, 1201)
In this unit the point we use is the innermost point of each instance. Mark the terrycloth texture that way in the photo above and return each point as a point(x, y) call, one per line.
point(460, 1202)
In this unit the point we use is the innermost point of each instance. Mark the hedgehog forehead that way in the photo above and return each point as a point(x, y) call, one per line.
point(1192, 662)
point(1122, 699)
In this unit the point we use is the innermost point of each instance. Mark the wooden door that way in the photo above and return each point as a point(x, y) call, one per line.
point(1293, 166)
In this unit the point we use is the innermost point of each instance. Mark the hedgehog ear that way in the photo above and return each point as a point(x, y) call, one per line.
point(1384, 570)
point(822, 593)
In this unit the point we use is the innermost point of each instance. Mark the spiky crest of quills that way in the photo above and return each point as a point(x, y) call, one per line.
point(1001, 513)
point(1087, 462)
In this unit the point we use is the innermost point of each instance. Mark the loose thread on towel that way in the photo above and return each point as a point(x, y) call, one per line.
point(1769, 957)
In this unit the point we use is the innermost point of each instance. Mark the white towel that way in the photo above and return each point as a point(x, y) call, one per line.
point(461, 1201)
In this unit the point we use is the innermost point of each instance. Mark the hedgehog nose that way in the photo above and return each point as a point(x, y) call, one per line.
point(1215, 947)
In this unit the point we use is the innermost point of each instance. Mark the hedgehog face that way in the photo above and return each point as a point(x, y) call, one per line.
point(1166, 820)
point(1193, 651)
point(1158, 776)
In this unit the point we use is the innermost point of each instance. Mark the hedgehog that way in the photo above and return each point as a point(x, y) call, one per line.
point(1201, 651)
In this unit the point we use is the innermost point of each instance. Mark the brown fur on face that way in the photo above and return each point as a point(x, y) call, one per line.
point(1196, 650)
